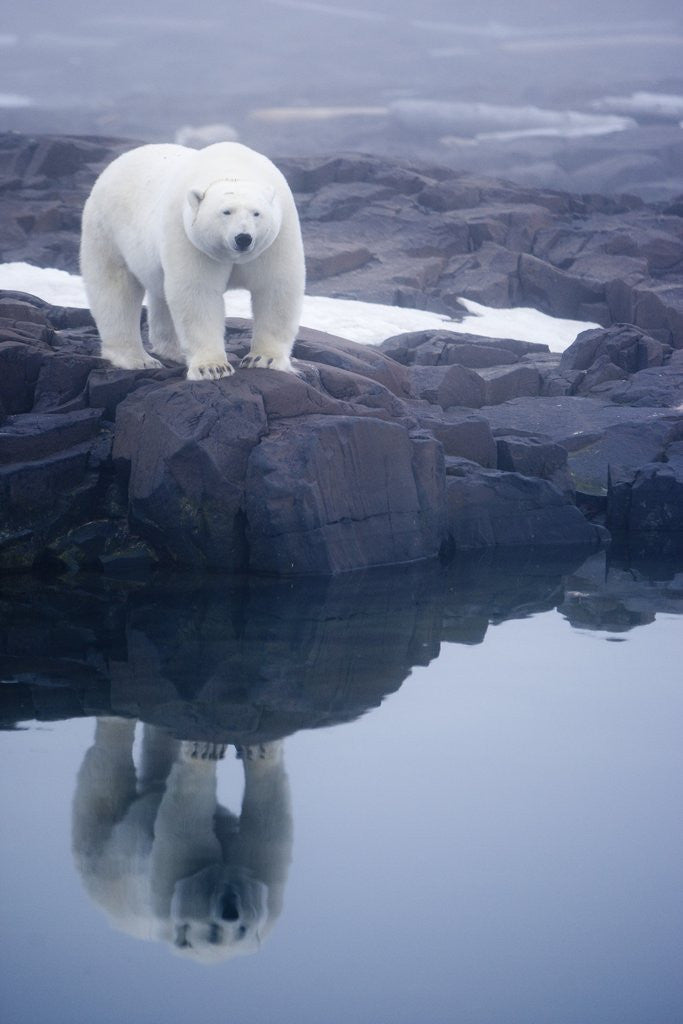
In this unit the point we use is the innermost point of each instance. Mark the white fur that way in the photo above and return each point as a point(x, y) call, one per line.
point(164, 859)
point(156, 222)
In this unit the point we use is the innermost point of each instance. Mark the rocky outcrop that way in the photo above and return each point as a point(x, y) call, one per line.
point(339, 467)
point(436, 442)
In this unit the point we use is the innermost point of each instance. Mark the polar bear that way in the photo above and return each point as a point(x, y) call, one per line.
point(165, 861)
point(184, 225)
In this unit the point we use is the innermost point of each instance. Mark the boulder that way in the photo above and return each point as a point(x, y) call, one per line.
point(622, 446)
point(444, 348)
point(463, 435)
point(501, 383)
point(615, 353)
point(447, 386)
point(658, 387)
point(535, 456)
point(491, 508)
point(337, 493)
point(646, 505)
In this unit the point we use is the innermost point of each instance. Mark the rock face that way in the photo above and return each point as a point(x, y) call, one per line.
point(435, 442)
point(334, 469)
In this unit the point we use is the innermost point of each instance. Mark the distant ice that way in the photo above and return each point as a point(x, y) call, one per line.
point(610, 41)
point(13, 101)
point(658, 104)
point(69, 41)
point(482, 121)
point(368, 323)
point(310, 7)
point(486, 30)
point(157, 23)
point(276, 114)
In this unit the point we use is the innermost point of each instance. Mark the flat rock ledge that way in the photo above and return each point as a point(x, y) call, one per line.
point(358, 460)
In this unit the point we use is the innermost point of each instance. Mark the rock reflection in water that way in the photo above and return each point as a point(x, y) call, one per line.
point(165, 861)
point(248, 661)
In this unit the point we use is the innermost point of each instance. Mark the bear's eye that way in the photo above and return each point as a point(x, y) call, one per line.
point(227, 212)
point(256, 213)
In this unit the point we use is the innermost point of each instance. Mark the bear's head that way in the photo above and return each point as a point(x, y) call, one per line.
point(232, 219)
point(217, 913)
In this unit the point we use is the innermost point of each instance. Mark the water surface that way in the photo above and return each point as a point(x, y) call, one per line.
point(481, 821)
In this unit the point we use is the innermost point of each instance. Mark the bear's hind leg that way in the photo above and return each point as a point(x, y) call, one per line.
point(162, 333)
point(115, 298)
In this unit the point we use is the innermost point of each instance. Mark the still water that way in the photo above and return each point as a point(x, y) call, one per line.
point(462, 798)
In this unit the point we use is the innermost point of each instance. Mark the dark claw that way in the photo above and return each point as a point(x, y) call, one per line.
point(270, 362)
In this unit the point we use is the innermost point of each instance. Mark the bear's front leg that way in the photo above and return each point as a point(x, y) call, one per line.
point(196, 305)
point(276, 309)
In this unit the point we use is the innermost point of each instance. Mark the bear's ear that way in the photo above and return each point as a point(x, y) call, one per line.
point(194, 198)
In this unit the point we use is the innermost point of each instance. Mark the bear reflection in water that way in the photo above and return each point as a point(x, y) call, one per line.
point(158, 853)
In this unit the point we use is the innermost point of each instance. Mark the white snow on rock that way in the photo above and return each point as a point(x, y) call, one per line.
point(368, 323)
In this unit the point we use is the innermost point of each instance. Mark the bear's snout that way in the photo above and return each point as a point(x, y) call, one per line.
point(229, 906)
point(243, 241)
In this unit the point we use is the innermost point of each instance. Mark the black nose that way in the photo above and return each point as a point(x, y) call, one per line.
point(229, 909)
point(242, 242)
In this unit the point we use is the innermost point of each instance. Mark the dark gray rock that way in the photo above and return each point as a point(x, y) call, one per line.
point(319, 347)
point(488, 275)
point(674, 455)
point(473, 355)
point(338, 493)
point(444, 348)
point(646, 505)
point(20, 365)
point(659, 387)
point(184, 453)
point(447, 386)
point(599, 356)
point(596, 435)
point(625, 346)
point(536, 457)
point(42, 497)
point(622, 446)
point(557, 292)
point(324, 261)
point(463, 435)
point(501, 383)
point(570, 420)
point(32, 436)
point(490, 508)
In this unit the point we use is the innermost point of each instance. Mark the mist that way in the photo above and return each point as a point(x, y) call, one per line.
point(485, 87)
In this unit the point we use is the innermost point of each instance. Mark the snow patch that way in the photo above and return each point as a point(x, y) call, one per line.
point(368, 323)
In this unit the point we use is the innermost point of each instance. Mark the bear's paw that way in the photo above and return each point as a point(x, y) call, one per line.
point(254, 361)
point(213, 370)
point(123, 361)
